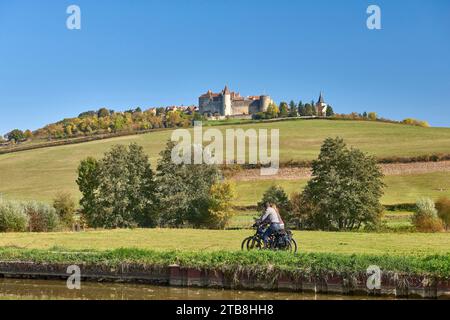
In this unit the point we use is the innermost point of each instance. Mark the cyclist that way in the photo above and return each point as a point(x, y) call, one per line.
point(272, 217)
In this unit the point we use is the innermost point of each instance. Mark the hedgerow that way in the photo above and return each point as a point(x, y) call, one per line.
point(265, 264)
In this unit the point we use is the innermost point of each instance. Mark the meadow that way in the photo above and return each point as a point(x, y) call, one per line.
point(39, 174)
point(406, 188)
point(211, 241)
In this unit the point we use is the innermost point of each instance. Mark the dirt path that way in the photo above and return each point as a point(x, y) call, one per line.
point(394, 169)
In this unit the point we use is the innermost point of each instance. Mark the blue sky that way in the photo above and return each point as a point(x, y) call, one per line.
point(151, 53)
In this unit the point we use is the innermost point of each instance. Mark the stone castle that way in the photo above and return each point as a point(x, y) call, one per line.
point(227, 103)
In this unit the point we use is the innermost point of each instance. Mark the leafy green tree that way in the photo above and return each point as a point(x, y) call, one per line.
point(301, 109)
point(276, 194)
point(293, 110)
point(309, 110)
point(272, 111)
point(284, 109)
point(330, 111)
point(88, 183)
point(313, 106)
point(123, 192)
point(103, 112)
point(372, 116)
point(220, 208)
point(15, 135)
point(345, 191)
point(65, 205)
point(184, 191)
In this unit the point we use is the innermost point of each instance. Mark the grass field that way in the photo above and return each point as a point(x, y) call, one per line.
point(39, 174)
point(399, 189)
point(208, 240)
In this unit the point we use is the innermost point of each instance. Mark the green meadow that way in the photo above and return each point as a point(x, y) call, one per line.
point(39, 174)
point(399, 189)
point(211, 240)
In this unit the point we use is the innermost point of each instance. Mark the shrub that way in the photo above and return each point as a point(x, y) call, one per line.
point(12, 216)
point(301, 210)
point(42, 217)
point(414, 122)
point(372, 116)
point(64, 205)
point(220, 205)
point(425, 218)
point(443, 209)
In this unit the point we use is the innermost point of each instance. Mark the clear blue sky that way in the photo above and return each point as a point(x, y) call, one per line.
point(152, 53)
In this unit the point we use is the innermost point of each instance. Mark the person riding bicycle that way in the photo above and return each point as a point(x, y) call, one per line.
point(272, 217)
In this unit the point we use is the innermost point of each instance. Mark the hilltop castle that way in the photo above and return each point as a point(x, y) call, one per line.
point(228, 103)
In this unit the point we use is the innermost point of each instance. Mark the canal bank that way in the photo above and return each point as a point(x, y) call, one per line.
point(412, 277)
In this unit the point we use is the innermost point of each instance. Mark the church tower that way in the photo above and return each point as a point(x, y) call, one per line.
point(321, 106)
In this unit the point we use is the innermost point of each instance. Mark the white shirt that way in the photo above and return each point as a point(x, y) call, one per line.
point(272, 215)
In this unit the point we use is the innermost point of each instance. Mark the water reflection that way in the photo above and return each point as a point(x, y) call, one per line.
point(54, 290)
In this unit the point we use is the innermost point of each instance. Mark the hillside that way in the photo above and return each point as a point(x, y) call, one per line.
point(39, 174)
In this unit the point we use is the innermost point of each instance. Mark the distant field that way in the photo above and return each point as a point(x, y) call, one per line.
point(208, 240)
point(400, 189)
point(39, 174)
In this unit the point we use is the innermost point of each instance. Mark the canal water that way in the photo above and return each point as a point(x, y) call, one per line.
point(57, 290)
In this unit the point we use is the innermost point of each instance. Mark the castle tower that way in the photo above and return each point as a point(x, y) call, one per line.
point(264, 103)
point(226, 109)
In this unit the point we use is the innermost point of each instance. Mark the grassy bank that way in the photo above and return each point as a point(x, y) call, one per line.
point(38, 174)
point(261, 264)
point(211, 241)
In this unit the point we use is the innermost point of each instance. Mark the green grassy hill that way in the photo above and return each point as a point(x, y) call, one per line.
point(39, 174)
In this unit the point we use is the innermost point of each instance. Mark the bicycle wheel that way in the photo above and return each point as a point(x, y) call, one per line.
point(293, 246)
point(244, 245)
point(255, 243)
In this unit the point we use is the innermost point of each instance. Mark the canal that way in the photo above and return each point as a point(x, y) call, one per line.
point(57, 290)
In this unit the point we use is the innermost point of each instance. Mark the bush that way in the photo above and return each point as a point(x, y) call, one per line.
point(12, 217)
point(64, 205)
point(414, 122)
point(443, 209)
point(42, 217)
point(426, 219)
point(300, 213)
point(220, 205)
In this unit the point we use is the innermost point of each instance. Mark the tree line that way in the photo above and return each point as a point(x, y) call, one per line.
point(121, 190)
point(285, 110)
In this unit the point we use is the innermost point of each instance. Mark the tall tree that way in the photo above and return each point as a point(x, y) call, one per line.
point(293, 111)
point(184, 190)
point(119, 191)
point(330, 111)
point(301, 109)
point(15, 135)
point(345, 191)
point(284, 109)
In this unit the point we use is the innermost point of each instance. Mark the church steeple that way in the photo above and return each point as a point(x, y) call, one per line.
point(321, 99)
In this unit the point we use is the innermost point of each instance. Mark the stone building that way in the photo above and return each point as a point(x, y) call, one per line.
point(227, 103)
